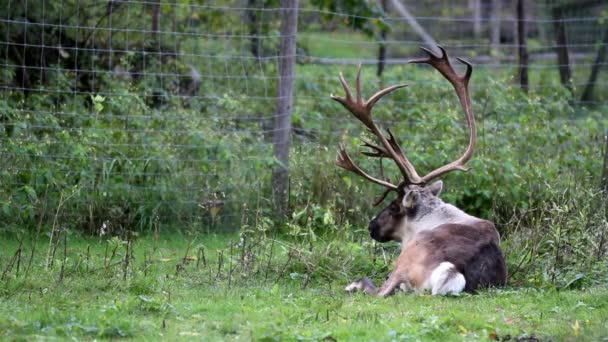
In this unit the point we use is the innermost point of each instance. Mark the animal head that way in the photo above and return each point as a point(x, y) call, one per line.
point(417, 202)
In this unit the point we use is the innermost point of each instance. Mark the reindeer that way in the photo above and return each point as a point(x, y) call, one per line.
point(443, 249)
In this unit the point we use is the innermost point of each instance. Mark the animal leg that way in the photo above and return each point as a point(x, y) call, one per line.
point(390, 285)
point(363, 284)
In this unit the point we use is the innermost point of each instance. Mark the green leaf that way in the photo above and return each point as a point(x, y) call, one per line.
point(31, 193)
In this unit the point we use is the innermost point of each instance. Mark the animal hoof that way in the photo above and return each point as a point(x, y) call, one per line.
point(363, 284)
point(353, 287)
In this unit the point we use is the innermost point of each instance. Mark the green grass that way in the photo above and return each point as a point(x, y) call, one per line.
point(338, 44)
point(158, 300)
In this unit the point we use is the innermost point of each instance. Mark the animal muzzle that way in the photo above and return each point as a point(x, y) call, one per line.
point(375, 231)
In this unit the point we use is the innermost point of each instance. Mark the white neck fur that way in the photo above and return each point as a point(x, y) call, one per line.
point(443, 214)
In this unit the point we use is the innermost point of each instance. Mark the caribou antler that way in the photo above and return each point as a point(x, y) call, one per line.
point(362, 110)
point(344, 161)
point(461, 85)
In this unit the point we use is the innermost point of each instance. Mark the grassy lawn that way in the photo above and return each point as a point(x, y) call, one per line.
point(169, 291)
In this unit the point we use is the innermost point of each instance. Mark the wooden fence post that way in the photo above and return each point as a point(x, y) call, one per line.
point(282, 128)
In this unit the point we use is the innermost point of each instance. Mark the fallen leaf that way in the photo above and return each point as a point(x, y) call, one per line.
point(146, 299)
point(214, 210)
point(576, 327)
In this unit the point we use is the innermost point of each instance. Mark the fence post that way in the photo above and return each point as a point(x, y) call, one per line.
point(282, 129)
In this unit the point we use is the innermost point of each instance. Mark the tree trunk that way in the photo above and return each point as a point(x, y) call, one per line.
point(496, 24)
point(604, 181)
point(595, 69)
point(561, 40)
point(522, 45)
point(604, 188)
point(255, 43)
point(156, 22)
point(420, 31)
point(282, 130)
point(382, 47)
point(475, 6)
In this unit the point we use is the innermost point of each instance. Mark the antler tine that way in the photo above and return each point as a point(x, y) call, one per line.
point(377, 96)
point(358, 85)
point(343, 160)
point(349, 95)
point(381, 198)
point(362, 110)
point(378, 152)
point(395, 145)
point(460, 84)
point(468, 72)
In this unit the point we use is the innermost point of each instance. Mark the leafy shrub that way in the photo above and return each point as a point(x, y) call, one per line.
point(560, 242)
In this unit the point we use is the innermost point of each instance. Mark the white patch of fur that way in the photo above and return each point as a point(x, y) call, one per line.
point(446, 213)
point(405, 287)
point(444, 281)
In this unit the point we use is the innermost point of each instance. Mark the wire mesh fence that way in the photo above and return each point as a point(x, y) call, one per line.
point(140, 113)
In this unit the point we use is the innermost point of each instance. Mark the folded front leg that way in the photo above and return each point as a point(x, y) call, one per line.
point(363, 284)
point(390, 285)
point(366, 285)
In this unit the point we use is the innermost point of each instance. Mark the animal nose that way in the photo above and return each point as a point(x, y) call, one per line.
point(373, 225)
point(374, 230)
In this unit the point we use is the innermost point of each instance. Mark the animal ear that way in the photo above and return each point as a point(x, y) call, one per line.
point(410, 199)
point(436, 187)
